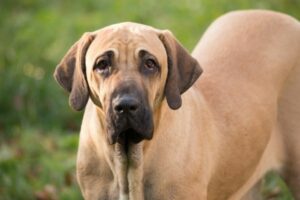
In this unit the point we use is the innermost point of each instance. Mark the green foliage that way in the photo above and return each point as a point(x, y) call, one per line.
point(38, 165)
point(34, 36)
point(273, 187)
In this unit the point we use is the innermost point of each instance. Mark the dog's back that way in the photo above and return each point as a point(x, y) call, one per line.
point(255, 56)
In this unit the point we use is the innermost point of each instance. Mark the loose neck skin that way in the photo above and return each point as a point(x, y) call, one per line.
point(126, 166)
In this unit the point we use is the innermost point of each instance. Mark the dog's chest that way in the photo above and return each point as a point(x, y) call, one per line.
point(150, 186)
point(150, 191)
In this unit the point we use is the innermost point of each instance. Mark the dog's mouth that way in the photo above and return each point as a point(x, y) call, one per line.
point(128, 137)
point(129, 129)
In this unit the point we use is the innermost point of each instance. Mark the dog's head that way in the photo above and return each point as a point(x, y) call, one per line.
point(127, 70)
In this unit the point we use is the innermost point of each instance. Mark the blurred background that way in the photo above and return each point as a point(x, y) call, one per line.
point(38, 129)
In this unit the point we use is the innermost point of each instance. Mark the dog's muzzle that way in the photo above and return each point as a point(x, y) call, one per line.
point(130, 119)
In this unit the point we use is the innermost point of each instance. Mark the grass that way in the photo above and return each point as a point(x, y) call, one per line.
point(38, 165)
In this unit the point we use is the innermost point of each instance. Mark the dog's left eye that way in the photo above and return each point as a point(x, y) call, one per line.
point(151, 65)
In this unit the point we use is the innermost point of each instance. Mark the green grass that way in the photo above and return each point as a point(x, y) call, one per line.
point(37, 164)
point(273, 187)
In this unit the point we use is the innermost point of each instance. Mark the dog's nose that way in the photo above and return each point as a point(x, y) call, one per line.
point(126, 105)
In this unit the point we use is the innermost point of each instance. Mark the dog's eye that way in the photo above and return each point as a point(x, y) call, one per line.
point(102, 65)
point(150, 65)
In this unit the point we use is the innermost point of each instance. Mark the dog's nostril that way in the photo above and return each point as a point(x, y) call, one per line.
point(126, 105)
point(133, 107)
point(119, 109)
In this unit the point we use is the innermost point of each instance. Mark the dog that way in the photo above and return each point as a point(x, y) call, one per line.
point(152, 130)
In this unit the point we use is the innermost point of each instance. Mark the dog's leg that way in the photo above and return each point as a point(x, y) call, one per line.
point(254, 193)
point(292, 177)
point(289, 119)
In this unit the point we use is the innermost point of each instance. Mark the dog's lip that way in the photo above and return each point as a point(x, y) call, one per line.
point(120, 137)
point(131, 135)
point(128, 138)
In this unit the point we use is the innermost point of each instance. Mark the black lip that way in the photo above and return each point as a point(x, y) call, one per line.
point(127, 137)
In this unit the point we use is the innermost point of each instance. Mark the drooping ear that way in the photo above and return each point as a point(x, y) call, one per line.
point(183, 69)
point(70, 72)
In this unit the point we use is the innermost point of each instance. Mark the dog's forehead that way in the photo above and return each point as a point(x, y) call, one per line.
point(126, 36)
point(134, 28)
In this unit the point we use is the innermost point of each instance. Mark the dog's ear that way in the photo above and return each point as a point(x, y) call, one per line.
point(70, 72)
point(183, 69)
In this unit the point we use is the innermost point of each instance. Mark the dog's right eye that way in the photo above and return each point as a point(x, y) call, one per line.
point(102, 65)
